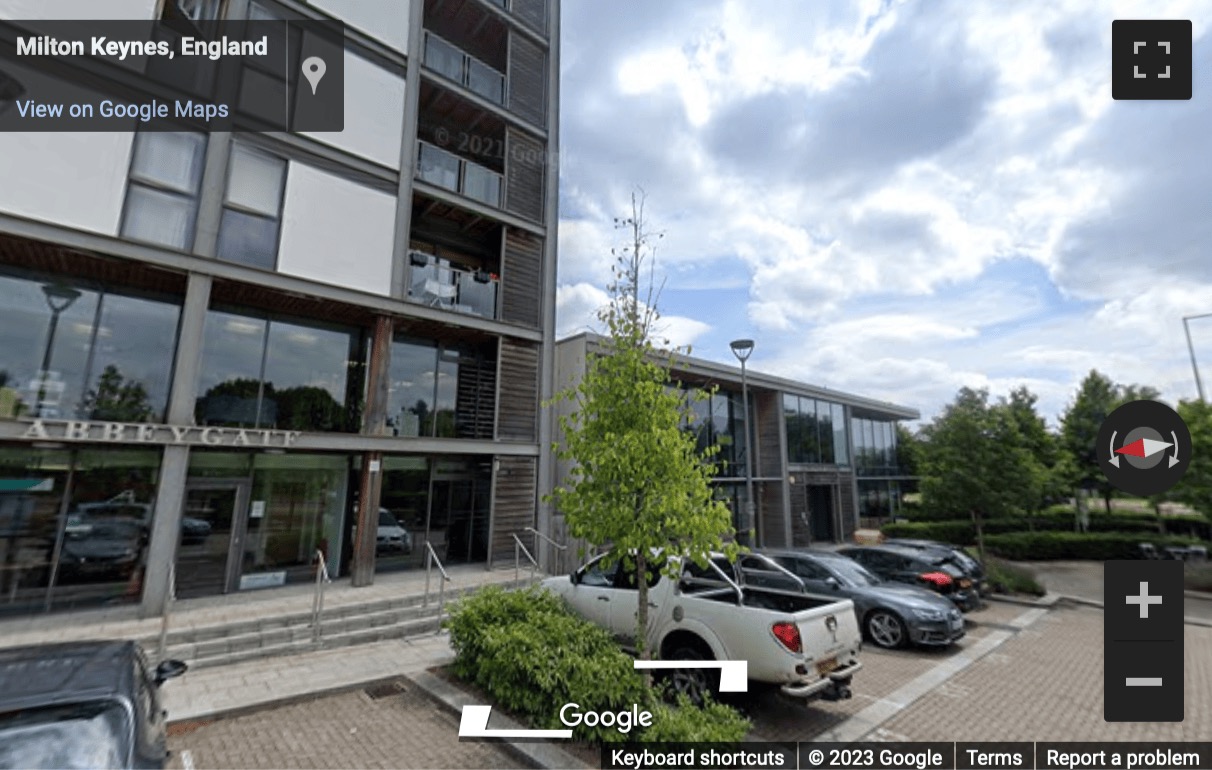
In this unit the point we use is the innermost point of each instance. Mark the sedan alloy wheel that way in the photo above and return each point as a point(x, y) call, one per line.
point(886, 630)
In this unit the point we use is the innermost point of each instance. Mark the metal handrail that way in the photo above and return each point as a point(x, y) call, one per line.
point(541, 536)
point(518, 550)
point(317, 601)
point(431, 558)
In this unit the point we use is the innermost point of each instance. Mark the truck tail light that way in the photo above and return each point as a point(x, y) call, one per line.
point(936, 579)
point(789, 635)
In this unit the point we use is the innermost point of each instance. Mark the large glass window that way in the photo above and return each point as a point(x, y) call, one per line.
point(824, 425)
point(275, 373)
point(252, 209)
point(71, 351)
point(840, 451)
point(441, 391)
point(162, 197)
point(86, 553)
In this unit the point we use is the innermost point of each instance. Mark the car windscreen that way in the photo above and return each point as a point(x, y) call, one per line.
point(387, 520)
point(852, 573)
point(78, 735)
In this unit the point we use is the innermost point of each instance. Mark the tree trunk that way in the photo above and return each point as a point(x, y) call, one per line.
point(1107, 500)
point(641, 631)
point(980, 536)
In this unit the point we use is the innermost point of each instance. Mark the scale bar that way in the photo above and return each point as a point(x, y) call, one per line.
point(1144, 681)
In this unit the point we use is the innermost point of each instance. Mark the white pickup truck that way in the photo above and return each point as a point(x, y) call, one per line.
point(806, 644)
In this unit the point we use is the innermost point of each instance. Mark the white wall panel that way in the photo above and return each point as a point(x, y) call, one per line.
point(336, 231)
point(387, 22)
point(374, 113)
point(79, 9)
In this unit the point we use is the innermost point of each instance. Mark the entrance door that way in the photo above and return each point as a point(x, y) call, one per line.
point(211, 547)
point(820, 513)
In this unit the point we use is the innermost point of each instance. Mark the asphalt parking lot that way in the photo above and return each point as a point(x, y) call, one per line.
point(1019, 674)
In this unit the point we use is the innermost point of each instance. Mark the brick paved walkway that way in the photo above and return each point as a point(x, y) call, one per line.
point(404, 730)
point(1046, 684)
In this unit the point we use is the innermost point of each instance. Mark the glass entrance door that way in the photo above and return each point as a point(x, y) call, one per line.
point(212, 533)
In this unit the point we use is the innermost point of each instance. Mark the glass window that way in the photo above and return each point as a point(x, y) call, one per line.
point(248, 230)
point(486, 81)
point(279, 374)
point(446, 392)
point(840, 451)
point(791, 417)
point(443, 58)
point(481, 184)
point(438, 167)
point(824, 423)
point(72, 352)
point(808, 433)
point(162, 196)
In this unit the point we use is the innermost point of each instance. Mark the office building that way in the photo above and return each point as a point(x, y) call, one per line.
point(222, 353)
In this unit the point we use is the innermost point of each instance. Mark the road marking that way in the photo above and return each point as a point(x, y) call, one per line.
point(187, 760)
point(734, 674)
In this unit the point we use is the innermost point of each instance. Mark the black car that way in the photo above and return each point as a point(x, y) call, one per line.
point(891, 615)
point(916, 567)
point(970, 567)
point(82, 705)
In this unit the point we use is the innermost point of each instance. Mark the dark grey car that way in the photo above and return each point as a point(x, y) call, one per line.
point(891, 615)
point(82, 705)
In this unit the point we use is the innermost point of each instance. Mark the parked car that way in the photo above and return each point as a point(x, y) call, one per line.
point(970, 566)
point(82, 705)
point(194, 531)
point(807, 645)
point(891, 615)
point(917, 567)
point(107, 549)
point(392, 538)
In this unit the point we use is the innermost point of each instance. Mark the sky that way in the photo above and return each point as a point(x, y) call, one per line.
point(894, 199)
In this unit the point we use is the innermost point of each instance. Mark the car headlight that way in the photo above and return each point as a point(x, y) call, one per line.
point(926, 614)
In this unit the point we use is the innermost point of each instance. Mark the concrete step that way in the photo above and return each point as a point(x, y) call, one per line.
point(292, 633)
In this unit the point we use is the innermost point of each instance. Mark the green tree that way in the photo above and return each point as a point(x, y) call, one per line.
point(908, 451)
point(974, 461)
point(1040, 444)
point(116, 398)
point(1195, 487)
point(638, 480)
point(1096, 398)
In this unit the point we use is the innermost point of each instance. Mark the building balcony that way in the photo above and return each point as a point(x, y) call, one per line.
point(449, 61)
point(436, 283)
point(449, 171)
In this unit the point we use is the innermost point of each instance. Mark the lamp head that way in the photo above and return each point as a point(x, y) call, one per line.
point(59, 296)
point(741, 349)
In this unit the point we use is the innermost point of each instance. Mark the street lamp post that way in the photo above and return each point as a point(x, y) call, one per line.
point(58, 299)
point(1199, 385)
point(742, 349)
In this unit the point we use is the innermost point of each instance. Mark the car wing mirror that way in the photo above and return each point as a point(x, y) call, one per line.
point(574, 577)
point(833, 583)
point(169, 669)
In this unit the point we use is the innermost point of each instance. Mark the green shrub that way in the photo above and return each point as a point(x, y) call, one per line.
point(1007, 578)
point(532, 656)
point(1098, 546)
point(685, 723)
point(958, 532)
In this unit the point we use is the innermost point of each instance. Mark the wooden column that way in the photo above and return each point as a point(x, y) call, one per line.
point(374, 423)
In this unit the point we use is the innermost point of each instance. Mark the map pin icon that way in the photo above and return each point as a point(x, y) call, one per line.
point(313, 70)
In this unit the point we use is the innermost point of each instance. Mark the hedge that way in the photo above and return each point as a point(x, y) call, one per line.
point(532, 656)
point(963, 532)
point(1096, 546)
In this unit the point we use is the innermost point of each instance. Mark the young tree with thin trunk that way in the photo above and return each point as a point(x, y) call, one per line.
point(638, 482)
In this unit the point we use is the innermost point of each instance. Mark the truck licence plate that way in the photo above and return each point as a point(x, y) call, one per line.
point(823, 667)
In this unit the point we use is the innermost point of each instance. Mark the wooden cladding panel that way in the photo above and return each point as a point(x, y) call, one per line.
point(514, 506)
point(772, 515)
point(522, 281)
point(849, 506)
point(528, 80)
point(769, 460)
point(533, 13)
point(518, 413)
point(524, 161)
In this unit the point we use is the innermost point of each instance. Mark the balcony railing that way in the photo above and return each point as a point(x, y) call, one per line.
point(441, 285)
point(445, 169)
point(446, 59)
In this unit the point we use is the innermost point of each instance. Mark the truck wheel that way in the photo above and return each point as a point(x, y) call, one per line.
point(697, 684)
point(886, 629)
